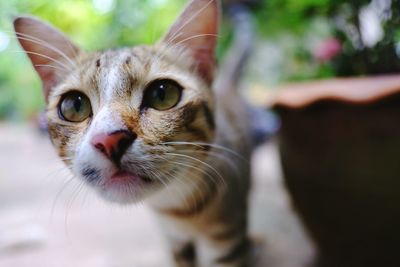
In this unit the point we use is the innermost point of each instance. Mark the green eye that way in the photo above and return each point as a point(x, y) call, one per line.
point(162, 94)
point(74, 107)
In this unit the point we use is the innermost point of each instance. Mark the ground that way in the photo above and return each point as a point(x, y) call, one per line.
point(48, 219)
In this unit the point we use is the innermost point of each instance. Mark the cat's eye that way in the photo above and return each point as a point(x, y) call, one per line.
point(74, 107)
point(162, 94)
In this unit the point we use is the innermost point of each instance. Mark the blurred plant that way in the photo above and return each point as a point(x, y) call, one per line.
point(369, 33)
point(357, 37)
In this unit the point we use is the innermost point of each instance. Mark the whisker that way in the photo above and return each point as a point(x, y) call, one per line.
point(75, 194)
point(50, 66)
point(175, 175)
point(190, 166)
point(33, 39)
point(169, 177)
point(186, 183)
point(49, 178)
point(57, 196)
point(193, 188)
point(202, 145)
point(86, 193)
point(44, 56)
point(201, 162)
point(214, 154)
point(190, 19)
point(194, 37)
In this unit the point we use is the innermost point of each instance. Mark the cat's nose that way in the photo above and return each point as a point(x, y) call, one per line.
point(114, 145)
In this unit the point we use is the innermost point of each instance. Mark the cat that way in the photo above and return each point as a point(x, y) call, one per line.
point(155, 124)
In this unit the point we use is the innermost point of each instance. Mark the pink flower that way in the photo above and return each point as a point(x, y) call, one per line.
point(327, 49)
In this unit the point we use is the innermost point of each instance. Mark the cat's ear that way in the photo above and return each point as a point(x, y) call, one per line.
point(49, 50)
point(196, 29)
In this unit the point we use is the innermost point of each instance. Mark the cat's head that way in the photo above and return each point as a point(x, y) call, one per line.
point(129, 121)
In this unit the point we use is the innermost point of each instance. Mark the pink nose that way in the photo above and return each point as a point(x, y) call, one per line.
point(113, 145)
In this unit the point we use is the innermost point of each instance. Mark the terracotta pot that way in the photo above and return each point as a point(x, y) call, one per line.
point(340, 153)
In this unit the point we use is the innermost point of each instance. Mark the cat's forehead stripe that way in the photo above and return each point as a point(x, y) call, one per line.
point(112, 81)
point(111, 74)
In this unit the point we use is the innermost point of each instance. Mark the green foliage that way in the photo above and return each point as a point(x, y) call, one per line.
point(293, 16)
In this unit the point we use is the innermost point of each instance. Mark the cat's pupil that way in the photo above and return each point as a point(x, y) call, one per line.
point(78, 104)
point(161, 93)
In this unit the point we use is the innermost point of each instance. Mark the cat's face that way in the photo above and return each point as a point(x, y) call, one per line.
point(122, 120)
point(150, 95)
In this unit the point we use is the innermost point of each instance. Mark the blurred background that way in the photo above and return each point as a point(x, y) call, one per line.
point(296, 39)
point(334, 161)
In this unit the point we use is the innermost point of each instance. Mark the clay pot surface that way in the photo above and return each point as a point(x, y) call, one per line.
point(340, 152)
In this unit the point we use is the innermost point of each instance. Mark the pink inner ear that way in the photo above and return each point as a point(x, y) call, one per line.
point(49, 50)
point(196, 29)
point(49, 79)
point(205, 64)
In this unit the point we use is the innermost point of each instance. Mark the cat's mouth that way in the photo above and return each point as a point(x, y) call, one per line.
point(124, 186)
point(121, 174)
point(121, 177)
point(121, 184)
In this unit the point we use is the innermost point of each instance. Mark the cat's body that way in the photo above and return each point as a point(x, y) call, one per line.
point(217, 222)
point(149, 123)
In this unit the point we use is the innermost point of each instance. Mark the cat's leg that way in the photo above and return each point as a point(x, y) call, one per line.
point(225, 242)
point(180, 242)
point(228, 248)
point(184, 253)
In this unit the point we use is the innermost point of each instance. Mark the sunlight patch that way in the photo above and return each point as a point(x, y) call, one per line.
point(103, 6)
point(4, 41)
